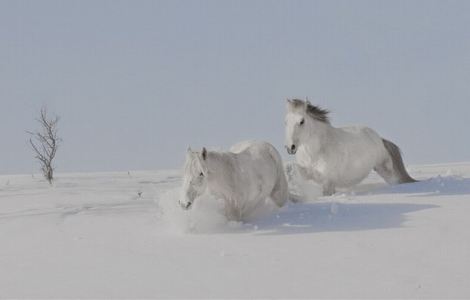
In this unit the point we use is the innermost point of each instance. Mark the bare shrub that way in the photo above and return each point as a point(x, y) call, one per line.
point(45, 143)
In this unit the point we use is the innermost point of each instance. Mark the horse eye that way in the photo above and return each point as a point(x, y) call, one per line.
point(201, 174)
point(302, 122)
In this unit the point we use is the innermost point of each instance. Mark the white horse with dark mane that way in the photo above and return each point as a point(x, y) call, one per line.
point(338, 157)
point(243, 178)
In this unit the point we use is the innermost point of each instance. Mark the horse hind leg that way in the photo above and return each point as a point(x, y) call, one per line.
point(385, 170)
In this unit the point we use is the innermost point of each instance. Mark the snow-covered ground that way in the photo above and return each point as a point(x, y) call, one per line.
point(122, 235)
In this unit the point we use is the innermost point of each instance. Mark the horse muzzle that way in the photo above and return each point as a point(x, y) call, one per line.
point(291, 150)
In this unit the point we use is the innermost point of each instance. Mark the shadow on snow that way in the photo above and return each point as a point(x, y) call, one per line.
point(436, 186)
point(330, 217)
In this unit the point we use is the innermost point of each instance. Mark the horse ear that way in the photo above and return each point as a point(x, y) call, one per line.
point(307, 102)
point(189, 153)
point(290, 104)
point(204, 153)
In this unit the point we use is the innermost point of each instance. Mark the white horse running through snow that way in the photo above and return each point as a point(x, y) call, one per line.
point(244, 177)
point(338, 157)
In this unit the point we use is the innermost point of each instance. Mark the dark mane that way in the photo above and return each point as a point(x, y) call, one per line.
point(316, 112)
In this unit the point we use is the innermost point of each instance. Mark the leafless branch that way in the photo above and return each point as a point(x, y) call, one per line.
point(45, 143)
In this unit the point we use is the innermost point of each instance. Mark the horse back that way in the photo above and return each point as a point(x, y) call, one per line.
point(257, 154)
point(361, 136)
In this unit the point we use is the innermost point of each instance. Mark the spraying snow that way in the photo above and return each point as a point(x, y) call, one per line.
point(207, 215)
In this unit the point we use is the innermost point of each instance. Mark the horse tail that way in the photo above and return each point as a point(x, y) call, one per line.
point(399, 169)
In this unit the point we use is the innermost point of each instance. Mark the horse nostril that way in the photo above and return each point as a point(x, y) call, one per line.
point(187, 205)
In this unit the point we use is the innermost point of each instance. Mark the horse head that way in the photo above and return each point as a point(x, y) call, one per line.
point(300, 118)
point(195, 177)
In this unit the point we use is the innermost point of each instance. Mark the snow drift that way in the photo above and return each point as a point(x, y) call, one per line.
point(109, 235)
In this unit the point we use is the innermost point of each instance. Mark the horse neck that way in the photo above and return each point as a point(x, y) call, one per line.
point(219, 162)
point(319, 136)
point(221, 165)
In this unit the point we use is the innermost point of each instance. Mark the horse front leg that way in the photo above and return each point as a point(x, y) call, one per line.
point(232, 210)
point(300, 186)
point(328, 189)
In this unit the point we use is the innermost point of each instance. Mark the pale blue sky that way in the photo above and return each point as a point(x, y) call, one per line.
point(136, 82)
